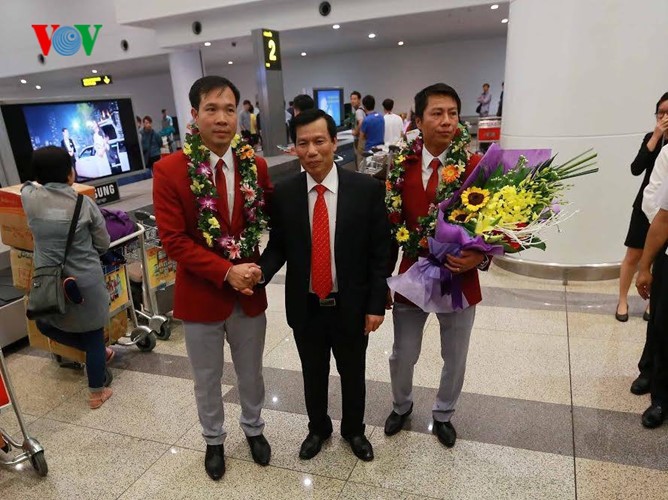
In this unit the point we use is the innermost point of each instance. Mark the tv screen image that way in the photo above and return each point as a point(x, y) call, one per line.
point(94, 133)
point(330, 100)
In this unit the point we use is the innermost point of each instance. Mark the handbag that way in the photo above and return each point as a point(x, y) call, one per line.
point(118, 223)
point(47, 295)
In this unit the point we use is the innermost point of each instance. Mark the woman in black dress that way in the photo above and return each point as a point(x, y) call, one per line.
point(635, 239)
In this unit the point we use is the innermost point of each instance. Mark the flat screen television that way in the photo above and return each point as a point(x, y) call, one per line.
point(330, 100)
point(99, 134)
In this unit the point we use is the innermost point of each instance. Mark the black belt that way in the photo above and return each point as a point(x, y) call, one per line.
point(332, 300)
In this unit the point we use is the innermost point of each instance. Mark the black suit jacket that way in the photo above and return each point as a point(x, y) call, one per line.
point(361, 247)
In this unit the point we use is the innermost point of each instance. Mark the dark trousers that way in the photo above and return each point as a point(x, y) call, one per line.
point(659, 322)
point(92, 343)
point(151, 161)
point(323, 334)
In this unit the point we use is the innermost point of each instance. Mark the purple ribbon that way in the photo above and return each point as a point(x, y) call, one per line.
point(450, 284)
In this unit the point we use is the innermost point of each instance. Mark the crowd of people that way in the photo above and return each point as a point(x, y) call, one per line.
point(210, 219)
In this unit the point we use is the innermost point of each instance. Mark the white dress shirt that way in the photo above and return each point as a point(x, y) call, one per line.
point(228, 170)
point(331, 182)
point(650, 197)
point(394, 127)
point(426, 169)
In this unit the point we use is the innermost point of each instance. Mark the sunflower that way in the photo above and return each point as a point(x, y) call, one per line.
point(474, 198)
point(461, 216)
point(450, 174)
point(403, 234)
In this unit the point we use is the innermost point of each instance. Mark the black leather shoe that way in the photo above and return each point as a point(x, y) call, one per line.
point(645, 315)
point(640, 386)
point(214, 461)
point(311, 446)
point(653, 417)
point(260, 449)
point(395, 422)
point(445, 433)
point(621, 317)
point(361, 447)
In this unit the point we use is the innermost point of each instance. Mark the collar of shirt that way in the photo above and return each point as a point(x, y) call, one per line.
point(228, 159)
point(331, 181)
point(427, 157)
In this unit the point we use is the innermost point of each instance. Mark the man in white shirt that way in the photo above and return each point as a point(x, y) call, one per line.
point(654, 285)
point(394, 125)
point(650, 201)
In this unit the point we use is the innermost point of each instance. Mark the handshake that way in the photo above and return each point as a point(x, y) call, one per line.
point(244, 277)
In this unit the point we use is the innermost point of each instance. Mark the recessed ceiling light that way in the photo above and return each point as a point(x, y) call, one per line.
point(94, 71)
point(495, 6)
point(372, 35)
point(504, 20)
point(400, 43)
point(38, 87)
point(207, 44)
point(303, 54)
point(24, 81)
point(336, 26)
point(230, 62)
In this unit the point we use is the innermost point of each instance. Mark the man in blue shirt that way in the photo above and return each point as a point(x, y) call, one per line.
point(373, 126)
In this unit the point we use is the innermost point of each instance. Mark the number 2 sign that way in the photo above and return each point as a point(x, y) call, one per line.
point(272, 50)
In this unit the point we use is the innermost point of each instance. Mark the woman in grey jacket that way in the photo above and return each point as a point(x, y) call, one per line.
point(49, 207)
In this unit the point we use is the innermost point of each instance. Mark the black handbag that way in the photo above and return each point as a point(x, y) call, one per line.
point(47, 296)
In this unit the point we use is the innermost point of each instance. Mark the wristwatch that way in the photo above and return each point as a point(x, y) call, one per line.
point(484, 265)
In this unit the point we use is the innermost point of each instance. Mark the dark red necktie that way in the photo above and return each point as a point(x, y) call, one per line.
point(432, 185)
point(321, 266)
point(221, 185)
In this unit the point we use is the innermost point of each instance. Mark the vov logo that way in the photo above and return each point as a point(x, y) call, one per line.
point(66, 40)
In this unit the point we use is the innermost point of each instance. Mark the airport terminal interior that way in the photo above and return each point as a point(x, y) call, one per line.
point(547, 409)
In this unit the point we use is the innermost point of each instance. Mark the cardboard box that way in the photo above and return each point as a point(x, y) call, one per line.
point(21, 263)
point(14, 230)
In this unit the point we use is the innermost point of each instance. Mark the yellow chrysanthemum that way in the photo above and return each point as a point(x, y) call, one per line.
point(254, 169)
point(208, 238)
point(403, 234)
point(510, 206)
point(461, 216)
point(196, 187)
point(202, 147)
point(396, 202)
point(474, 198)
point(400, 159)
point(213, 222)
point(235, 141)
point(186, 149)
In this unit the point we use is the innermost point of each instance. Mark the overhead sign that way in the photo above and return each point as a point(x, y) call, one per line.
point(272, 50)
point(94, 81)
point(106, 193)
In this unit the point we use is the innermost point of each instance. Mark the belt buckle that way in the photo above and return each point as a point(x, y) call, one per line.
point(329, 302)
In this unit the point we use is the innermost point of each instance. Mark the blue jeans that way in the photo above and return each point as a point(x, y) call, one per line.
point(92, 343)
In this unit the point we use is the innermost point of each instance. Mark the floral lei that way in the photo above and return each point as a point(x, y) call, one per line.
point(450, 181)
point(202, 186)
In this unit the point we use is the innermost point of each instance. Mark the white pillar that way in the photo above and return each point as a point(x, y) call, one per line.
point(184, 67)
point(582, 74)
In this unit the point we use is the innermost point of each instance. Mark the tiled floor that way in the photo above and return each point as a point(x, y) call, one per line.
point(546, 413)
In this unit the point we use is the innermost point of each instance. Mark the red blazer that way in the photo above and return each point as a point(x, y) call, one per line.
point(416, 204)
point(201, 293)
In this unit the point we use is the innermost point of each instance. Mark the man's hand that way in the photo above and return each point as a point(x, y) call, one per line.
point(389, 303)
point(243, 277)
point(465, 262)
point(644, 283)
point(372, 323)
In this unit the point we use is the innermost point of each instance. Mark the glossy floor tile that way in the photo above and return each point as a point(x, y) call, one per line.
point(603, 480)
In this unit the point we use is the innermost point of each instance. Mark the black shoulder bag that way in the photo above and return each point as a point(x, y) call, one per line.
point(47, 296)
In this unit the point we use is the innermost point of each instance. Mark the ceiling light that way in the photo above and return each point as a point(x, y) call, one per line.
point(336, 26)
point(38, 87)
point(400, 43)
point(230, 62)
point(504, 20)
point(495, 6)
point(94, 71)
point(207, 44)
point(24, 81)
point(303, 54)
point(372, 35)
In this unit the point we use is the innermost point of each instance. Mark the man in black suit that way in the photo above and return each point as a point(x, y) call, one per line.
point(331, 228)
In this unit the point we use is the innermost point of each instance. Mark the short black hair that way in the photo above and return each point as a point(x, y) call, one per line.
point(291, 103)
point(354, 92)
point(148, 119)
point(246, 101)
point(369, 102)
point(163, 110)
point(664, 97)
point(206, 84)
point(302, 102)
point(51, 164)
point(422, 97)
point(388, 104)
point(309, 116)
point(65, 128)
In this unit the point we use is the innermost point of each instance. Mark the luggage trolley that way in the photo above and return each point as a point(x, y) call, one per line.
point(31, 449)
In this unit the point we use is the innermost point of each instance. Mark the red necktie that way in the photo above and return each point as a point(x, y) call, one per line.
point(221, 184)
point(321, 267)
point(432, 185)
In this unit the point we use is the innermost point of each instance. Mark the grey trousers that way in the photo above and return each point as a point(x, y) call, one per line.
point(409, 324)
point(205, 345)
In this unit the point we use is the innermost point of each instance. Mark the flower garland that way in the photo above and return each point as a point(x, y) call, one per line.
point(450, 181)
point(202, 186)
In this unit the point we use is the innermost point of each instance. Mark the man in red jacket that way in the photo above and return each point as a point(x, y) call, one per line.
point(437, 110)
point(209, 206)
